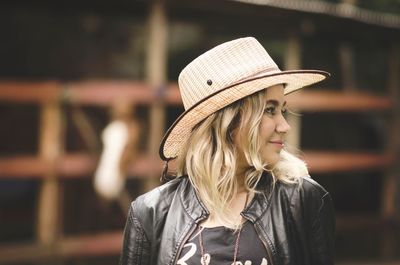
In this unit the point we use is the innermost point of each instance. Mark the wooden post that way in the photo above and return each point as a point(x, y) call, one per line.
point(48, 219)
point(293, 61)
point(347, 66)
point(347, 59)
point(156, 73)
point(393, 144)
point(391, 180)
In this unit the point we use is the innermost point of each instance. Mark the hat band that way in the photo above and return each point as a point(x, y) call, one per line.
point(269, 71)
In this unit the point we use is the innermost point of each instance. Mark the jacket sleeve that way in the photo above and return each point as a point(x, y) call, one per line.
point(323, 233)
point(136, 246)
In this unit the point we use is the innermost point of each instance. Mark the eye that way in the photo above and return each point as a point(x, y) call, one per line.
point(270, 109)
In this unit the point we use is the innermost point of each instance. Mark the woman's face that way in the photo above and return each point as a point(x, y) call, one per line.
point(273, 127)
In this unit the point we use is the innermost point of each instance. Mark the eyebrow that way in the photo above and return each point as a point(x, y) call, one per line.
point(276, 102)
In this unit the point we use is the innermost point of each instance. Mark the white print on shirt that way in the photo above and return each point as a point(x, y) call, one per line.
point(248, 262)
point(191, 252)
point(206, 259)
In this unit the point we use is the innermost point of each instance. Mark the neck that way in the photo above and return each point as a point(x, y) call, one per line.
point(240, 176)
point(238, 204)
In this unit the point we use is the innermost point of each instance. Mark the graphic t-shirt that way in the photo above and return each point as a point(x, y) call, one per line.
point(219, 247)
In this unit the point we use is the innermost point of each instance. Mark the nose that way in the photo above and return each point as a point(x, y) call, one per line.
point(282, 125)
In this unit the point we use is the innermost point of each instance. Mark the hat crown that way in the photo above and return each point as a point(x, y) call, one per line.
point(225, 65)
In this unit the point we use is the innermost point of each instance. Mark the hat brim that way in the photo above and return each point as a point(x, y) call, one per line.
point(180, 130)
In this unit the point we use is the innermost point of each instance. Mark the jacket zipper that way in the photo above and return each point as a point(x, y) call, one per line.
point(265, 245)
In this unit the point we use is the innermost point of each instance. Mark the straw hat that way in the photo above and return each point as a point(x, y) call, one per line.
point(223, 75)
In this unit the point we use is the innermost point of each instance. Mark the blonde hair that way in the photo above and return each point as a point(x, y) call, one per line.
point(209, 157)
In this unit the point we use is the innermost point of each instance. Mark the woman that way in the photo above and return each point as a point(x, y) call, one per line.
point(240, 197)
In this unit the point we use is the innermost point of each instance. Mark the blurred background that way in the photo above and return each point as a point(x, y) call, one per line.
point(88, 88)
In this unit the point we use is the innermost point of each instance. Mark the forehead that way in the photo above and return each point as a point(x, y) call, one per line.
point(275, 93)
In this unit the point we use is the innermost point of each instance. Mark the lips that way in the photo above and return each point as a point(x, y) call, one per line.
point(277, 142)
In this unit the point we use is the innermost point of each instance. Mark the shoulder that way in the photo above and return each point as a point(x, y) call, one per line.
point(307, 193)
point(307, 201)
point(147, 212)
point(156, 202)
point(313, 199)
point(309, 190)
point(310, 187)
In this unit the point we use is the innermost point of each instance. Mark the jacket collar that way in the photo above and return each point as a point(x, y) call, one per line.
point(196, 209)
point(191, 202)
point(262, 199)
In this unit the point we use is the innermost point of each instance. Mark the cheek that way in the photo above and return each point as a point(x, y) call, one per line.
point(267, 129)
point(270, 152)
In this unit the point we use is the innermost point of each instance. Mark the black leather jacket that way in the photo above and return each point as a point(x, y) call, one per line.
point(295, 223)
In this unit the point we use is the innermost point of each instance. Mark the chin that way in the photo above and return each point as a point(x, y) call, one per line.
point(271, 158)
point(271, 162)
